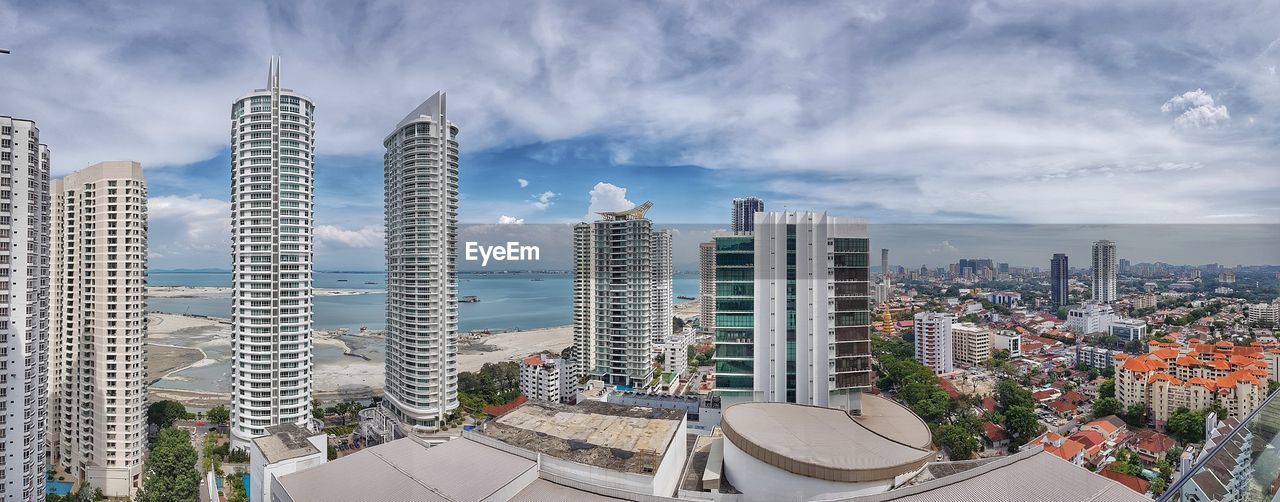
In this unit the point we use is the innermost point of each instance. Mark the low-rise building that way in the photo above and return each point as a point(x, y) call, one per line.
point(971, 344)
point(1007, 340)
point(285, 449)
point(1061, 446)
point(1092, 356)
point(702, 411)
point(1090, 318)
point(1128, 329)
point(544, 377)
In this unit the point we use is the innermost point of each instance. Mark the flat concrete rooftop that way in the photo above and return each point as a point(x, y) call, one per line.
point(624, 438)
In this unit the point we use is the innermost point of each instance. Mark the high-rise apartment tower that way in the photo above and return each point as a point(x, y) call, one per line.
point(24, 310)
point(421, 192)
point(1059, 280)
point(272, 190)
point(744, 213)
point(1104, 272)
point(98, 327)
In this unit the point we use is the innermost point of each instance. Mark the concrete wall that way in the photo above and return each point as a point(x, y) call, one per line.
point(759, 481)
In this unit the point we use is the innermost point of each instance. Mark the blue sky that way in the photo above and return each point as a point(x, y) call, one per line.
point(1074, 112)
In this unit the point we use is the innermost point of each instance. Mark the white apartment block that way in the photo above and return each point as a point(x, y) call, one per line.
point(933, 336)
point(660, 297)
point(1090, 318)
point(547, 378)
point(421, 192)
point(98, 327)
point(613, 296)
point(675, 352)
point(971, 344)
point(707, 287)
point(1264, 312)
point(272, 189)
point(1174, 376)
point(1007, 340)
point(24, 310)
point(1104, 271)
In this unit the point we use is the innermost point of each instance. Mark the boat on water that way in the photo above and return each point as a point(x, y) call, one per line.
point(342, 280)
point(471, 299)
point(537, 279)
point(682, 297)
point(370, 282)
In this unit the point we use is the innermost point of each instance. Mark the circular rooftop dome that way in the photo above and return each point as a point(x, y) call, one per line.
point(886, 441)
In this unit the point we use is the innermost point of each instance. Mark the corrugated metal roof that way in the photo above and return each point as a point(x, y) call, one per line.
point(1029, 475)
point(407, 470)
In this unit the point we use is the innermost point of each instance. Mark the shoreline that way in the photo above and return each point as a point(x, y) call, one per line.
point(218, 291)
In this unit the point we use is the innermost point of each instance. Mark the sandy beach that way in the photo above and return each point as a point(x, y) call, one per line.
point(511, 346)
point(213, 292)
point(189, 358)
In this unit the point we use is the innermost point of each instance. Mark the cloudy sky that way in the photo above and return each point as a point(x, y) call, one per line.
point(947, 112)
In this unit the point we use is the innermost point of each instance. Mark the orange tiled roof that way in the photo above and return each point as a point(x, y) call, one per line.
point(1137, 364)
point(1107, 427)
point(1187, 361)
point(1205, 382)
point(1165, 353)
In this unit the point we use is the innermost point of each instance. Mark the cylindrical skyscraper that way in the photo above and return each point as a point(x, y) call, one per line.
point(272, 145)
point(24, 310)
point(421, 202)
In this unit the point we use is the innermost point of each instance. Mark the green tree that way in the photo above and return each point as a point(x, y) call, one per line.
point(219, 415)
point(1020, 422)
point(171, 474)
point(1107, 389)
point(1106, 406)
point(959, 443)
point(1185, 425)
point(1136, 415)
point(163, 413)
point(1157, 486)
point(1009, 394)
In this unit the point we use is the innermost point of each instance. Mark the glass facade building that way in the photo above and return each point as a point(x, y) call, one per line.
point(793, 312)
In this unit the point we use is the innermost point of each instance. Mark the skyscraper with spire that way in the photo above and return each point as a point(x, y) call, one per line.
point(272, 190)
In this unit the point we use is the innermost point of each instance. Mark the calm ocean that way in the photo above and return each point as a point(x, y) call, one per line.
point(507, 301)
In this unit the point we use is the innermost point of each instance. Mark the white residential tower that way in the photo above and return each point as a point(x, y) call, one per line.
point(272, 189)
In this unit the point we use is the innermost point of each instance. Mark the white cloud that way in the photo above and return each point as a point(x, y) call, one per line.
point(190, 230)
point(371, 236)
point(543, 200)
point(1032, 91)
point(523, 182)
point(510, 220)
point(607, 197)
point(1197, 110)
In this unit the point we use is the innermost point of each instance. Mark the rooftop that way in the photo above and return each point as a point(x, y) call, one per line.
point(1030, 474)
point(887, 440)
point(623, 438)
point(407, 470)
point(285, 441)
